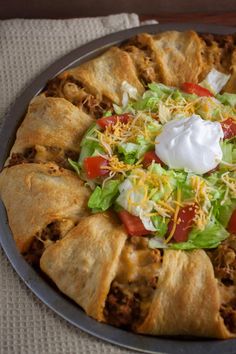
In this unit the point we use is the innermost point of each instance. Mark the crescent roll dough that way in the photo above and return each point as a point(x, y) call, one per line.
point(187, 298)
point(177, 55)
point(103, 76)
point(35, 195)
point(84, 263)
point(51, 126)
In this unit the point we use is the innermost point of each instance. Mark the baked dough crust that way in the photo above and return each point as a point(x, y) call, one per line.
point(36, 195)
point(84, 263)
point(103, 76)
point(187, 298)
point(54, 123)
point(177, 56)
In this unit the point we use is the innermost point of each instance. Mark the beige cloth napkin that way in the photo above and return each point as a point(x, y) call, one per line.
point(26, 48)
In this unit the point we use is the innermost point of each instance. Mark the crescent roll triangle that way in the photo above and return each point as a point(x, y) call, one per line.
point(36, 195)
point(103, 76)
point(187, 289)
point(176, 56)
point(84, 263)
point(51, 131)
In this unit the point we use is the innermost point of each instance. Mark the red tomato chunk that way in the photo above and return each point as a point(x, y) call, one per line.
point(229, 128)
point(105, 121)
point(185, 224)
point(133, 224)
point(94, 166)
point(232, 223)
point(198, 90)
point(149, 157)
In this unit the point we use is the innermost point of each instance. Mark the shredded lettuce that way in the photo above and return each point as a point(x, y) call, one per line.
point(107, 114)
point(229, 152)
point(227, 99)
point(89, 147)
point(102, 198)
point(210, 237)
point(128, 152)
point(160, 224)
point(157, 242)
point(131, 152)
point(75, 165)
point(225, 211)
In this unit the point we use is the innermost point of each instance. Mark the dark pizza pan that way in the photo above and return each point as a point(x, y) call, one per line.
point(60, 304)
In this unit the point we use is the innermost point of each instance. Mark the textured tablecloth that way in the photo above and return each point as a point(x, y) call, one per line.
point(26, 48)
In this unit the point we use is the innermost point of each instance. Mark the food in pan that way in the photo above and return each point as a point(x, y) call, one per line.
point(121, 185)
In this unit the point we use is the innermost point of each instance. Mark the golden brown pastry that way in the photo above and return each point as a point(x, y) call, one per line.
point(84, 263)
point(103, 76)
point(231, 84)
point(51, 131)
point(177, 55)
point(187, 298)
point(143, 61)
point(37, 195)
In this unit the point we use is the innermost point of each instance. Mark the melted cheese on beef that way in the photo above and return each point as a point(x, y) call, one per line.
point(133, 287)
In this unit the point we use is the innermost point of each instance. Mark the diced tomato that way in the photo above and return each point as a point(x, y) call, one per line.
point(185, 224)
point(94, 166)
point(232, 223)
point(196, 89)
point(149, 157)
point(105, 121)
point(229, 128)
point(133, 224)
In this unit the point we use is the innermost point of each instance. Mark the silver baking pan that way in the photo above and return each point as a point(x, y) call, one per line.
point(63, 306)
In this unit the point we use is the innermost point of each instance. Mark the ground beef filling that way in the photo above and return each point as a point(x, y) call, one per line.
point(51, 233)
point(44, 154)
point(72, 90)
point(217, 52)
point(132, 290)
point(224, 263)
point(143, 62)
point(27, 156)
point(228, 312)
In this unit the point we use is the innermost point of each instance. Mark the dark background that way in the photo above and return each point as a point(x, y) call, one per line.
point(165, 10)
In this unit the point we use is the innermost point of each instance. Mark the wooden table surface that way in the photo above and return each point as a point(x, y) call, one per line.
point(225, 18)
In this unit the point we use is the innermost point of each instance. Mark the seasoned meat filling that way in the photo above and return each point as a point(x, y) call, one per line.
point(51, 233)
point(132, 290)
point(217, 52)
point(44, 154)
point(228, 312)
point(224, 263)
point(26, 157)
point(71, 89)
point(143, 63)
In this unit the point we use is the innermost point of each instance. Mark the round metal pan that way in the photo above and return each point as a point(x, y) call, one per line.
point(51, 297)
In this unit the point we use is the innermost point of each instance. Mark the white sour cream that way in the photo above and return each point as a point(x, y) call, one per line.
point(190, 143)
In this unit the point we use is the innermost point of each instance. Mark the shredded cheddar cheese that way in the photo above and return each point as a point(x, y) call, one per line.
point(175, 218)
point(202, 200)
point(230, 182)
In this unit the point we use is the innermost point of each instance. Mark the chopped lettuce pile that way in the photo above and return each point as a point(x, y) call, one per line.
point(154, 192)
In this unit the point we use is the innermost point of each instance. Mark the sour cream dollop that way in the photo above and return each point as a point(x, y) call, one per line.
point(190, 143)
